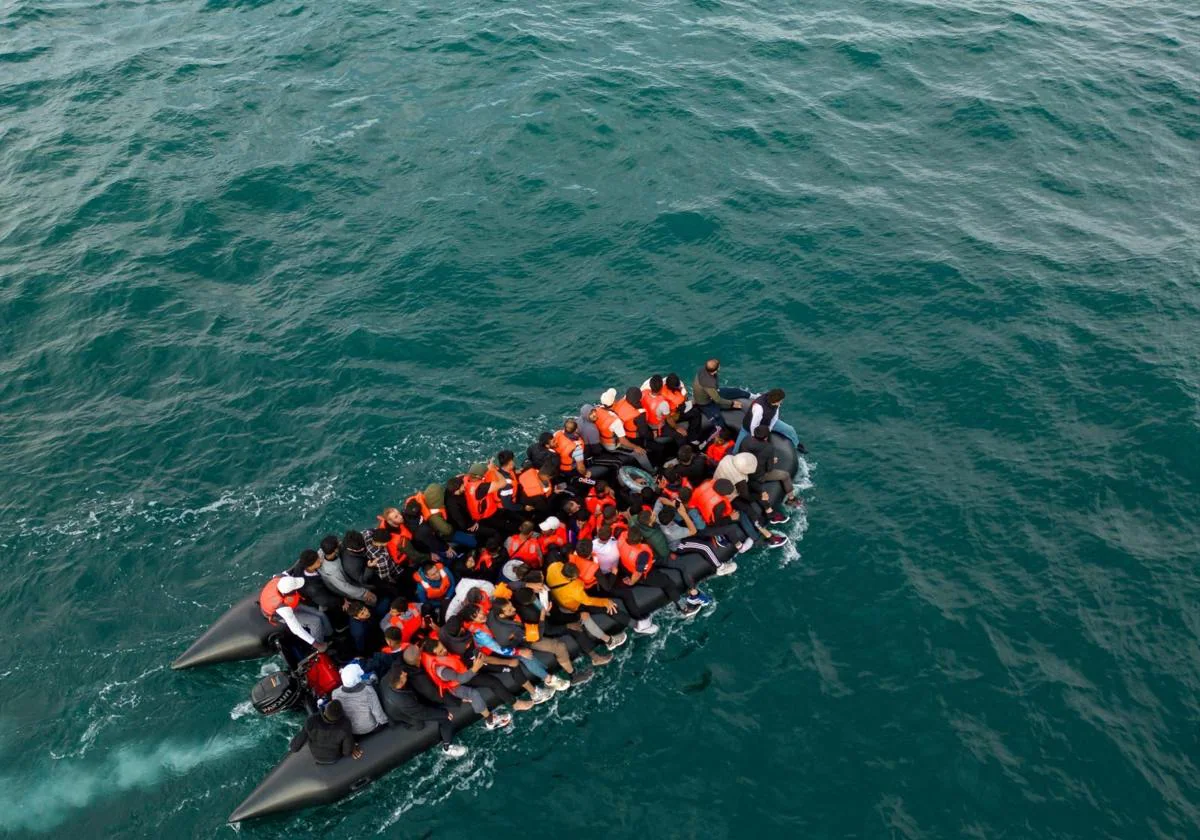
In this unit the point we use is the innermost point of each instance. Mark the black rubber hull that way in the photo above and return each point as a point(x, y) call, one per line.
point(299, 782)
point(241, 633)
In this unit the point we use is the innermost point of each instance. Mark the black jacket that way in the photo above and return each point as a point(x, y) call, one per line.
point(354, 564)
point(327, 741)
point(403, 707)
point(457, 513)
point(315, 591)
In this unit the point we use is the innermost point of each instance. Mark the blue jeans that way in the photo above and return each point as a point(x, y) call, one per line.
point(534, 666)
point(782, 428)
point(713, 411)
point(464, 539)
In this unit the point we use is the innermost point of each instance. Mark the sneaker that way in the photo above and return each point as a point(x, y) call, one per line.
point(498, 719)
point(794, 502)
point(700, 599)
point(777, 541)
point(688, 610)
point(777, 517)
point(541, 694)
point(616, 641)
point(455, 750)
point(558, 682)
point(726, 568)
point(601, 658)
point(723, 542)
point(522, 705)
point(646, 627)
point(581, 676)
point(745, 545)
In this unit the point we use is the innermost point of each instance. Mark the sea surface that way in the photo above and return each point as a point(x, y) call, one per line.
point(267, 266)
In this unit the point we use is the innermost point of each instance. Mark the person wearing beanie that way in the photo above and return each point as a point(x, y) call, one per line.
point(359, 701)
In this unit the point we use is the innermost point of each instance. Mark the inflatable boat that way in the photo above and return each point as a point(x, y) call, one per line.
point(299, 782)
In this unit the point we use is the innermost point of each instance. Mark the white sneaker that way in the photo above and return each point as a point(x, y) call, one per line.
point(745, 545)
point(616, 641)
point(646, 627)
point(454, 750)
point(558, 682)
point(726, 568)
point(541, 694)
point(498, 719)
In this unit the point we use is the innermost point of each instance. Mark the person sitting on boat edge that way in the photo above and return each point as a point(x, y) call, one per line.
point(328, 736)
point(710, 397)
point(764, 411)
point(759, 445)
point(279, 602)
point(520, 656)
point(683, 536)
point(665, 558)
point(359, 701)
point(452, 676)
point(528, 610)
point(756, 510)
point(638, 563)
point(403, 708)
point(571, 598)
point(620, 425)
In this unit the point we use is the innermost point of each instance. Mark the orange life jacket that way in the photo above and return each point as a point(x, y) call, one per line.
point(652, 402)
point(718, 450)
point(595, 503)
point(675, 398)
point(605, 417)
point(565, 445)
point(271, 599)
point(480, 508)
point(526, 549)
point(433, 593)
point(587, 569)
point(709, 502)
point(630, 554)
point(484, 559)
point(509, 476)
point(556, 537)
point(397, 540)
point(532, 485)
point(409, 622)
point(426, 510)
point(431, 662)
point(628, 412)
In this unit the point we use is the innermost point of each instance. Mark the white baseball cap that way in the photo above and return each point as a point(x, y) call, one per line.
point(288, 584)
point(550, 524)
point(608, 397)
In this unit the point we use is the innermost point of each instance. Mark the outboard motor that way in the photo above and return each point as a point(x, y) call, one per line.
point(276, 692)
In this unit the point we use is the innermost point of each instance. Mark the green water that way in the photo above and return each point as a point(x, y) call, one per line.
point(266, 266)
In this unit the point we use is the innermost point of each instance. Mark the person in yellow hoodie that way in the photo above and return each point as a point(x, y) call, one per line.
point(571, 600)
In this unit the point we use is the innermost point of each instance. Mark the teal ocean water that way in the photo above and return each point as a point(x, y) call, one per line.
point(268, 265)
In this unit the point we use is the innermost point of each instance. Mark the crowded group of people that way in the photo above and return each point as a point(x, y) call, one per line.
point(470, 578)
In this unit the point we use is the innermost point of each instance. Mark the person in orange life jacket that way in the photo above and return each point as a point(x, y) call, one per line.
point(738, 469)
point(638, 563)
point(710, 398)
point(507, 628)
point(405, 616)
point(468, 531)
point(685, 419)
point(335, 577)
point(525, 546)
point(453, 676)
point(657, 408)
point(403, 708)
point(459, 639)
point(759, 445)
point(622, 436)
point(518, 655)
point(280, 604)
point(722, 523)
point(666, 558)
point(328, 736)
point(573, 606)
point(553, 533)
point(593, 580)
point(600, 495)
point(567, 444)
point(314, 591)
point(435, 583)
point(719, 446)
point(424, 537)
point(535, 490)
point(484, 563)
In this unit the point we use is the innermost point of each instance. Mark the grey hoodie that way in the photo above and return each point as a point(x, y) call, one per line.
point(334, 577)
point(362, 707)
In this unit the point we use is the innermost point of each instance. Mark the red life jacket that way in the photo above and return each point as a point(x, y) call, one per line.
point(508, 476)
point(565, 445)
point(671, 491)
point(526, 549)
point(398, 540)
point(595, 502)
point(651, 403)
point(717, 450)
point(484, 559)
point(709, 502)
point(434, 593)
point(556, 537)
point(480, 508)
point(630, 554)
point(605, 417)
point(675, 398)
point(431, 663)
point(628, 412)
point(532, 485)
point(409, 622)
point(271, 599)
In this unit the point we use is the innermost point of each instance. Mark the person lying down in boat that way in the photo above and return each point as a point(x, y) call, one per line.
point(465, 580)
